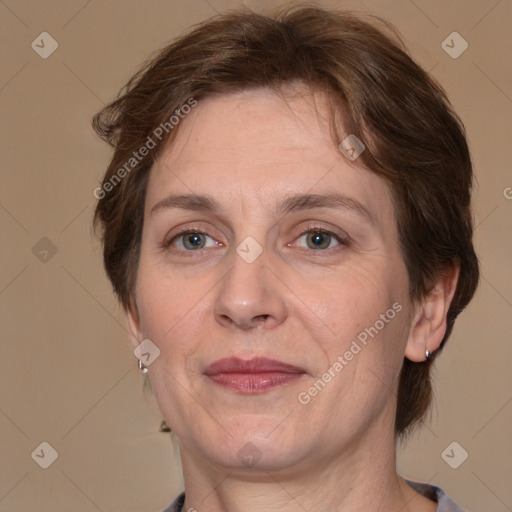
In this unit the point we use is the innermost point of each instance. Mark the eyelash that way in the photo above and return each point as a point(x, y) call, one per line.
point(342, 240)
point(312, 228)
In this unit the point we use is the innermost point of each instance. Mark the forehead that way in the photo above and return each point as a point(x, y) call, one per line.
point(257, 125)
point(259, 145)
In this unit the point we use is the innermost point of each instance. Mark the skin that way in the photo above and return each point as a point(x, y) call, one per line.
point(296, 303)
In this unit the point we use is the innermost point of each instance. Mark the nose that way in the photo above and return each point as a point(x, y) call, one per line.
point(250, 295)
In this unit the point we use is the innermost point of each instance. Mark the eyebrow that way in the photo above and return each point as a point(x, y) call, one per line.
point(293, 203)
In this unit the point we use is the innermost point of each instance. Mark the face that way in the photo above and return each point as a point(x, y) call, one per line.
point(282, 312)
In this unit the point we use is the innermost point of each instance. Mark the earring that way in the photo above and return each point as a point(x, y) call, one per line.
point(142, 368)
point(427, 353)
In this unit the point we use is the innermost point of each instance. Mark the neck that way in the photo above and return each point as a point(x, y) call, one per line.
point(362, 478)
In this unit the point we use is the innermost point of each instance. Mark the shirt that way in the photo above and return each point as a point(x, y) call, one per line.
point(444, 503)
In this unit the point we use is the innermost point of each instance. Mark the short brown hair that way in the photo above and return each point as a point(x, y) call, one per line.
point(413, 139)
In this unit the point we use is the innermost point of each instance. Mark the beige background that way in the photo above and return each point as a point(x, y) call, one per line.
point(68, 375)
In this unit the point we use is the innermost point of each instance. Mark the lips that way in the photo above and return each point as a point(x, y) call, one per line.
point(254, 375)
point(256, 365)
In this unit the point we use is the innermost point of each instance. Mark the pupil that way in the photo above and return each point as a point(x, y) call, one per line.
point(319, 240)
point(194, 240)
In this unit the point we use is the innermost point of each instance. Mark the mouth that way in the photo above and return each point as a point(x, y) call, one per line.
point(254, 375)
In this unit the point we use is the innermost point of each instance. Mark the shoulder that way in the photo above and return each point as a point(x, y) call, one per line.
point(444, 503)
point(177, 504)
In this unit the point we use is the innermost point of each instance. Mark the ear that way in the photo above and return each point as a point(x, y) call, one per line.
point(429, 324)
point(133, 324)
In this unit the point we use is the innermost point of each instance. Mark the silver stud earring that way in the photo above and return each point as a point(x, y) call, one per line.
point(142, 368)
point(427, 353)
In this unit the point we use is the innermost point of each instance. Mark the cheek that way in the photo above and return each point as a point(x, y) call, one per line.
point(353, 298)
point(164, 299)
point(175, 314)
point(366, 310)
point(162, 311)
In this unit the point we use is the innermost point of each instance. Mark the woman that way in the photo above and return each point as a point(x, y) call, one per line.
point(286, 221)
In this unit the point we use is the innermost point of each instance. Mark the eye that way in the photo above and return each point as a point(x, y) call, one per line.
point(192, 240)
point(321, 239)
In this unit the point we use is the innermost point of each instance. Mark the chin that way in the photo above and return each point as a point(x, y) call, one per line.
point(252, 448)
